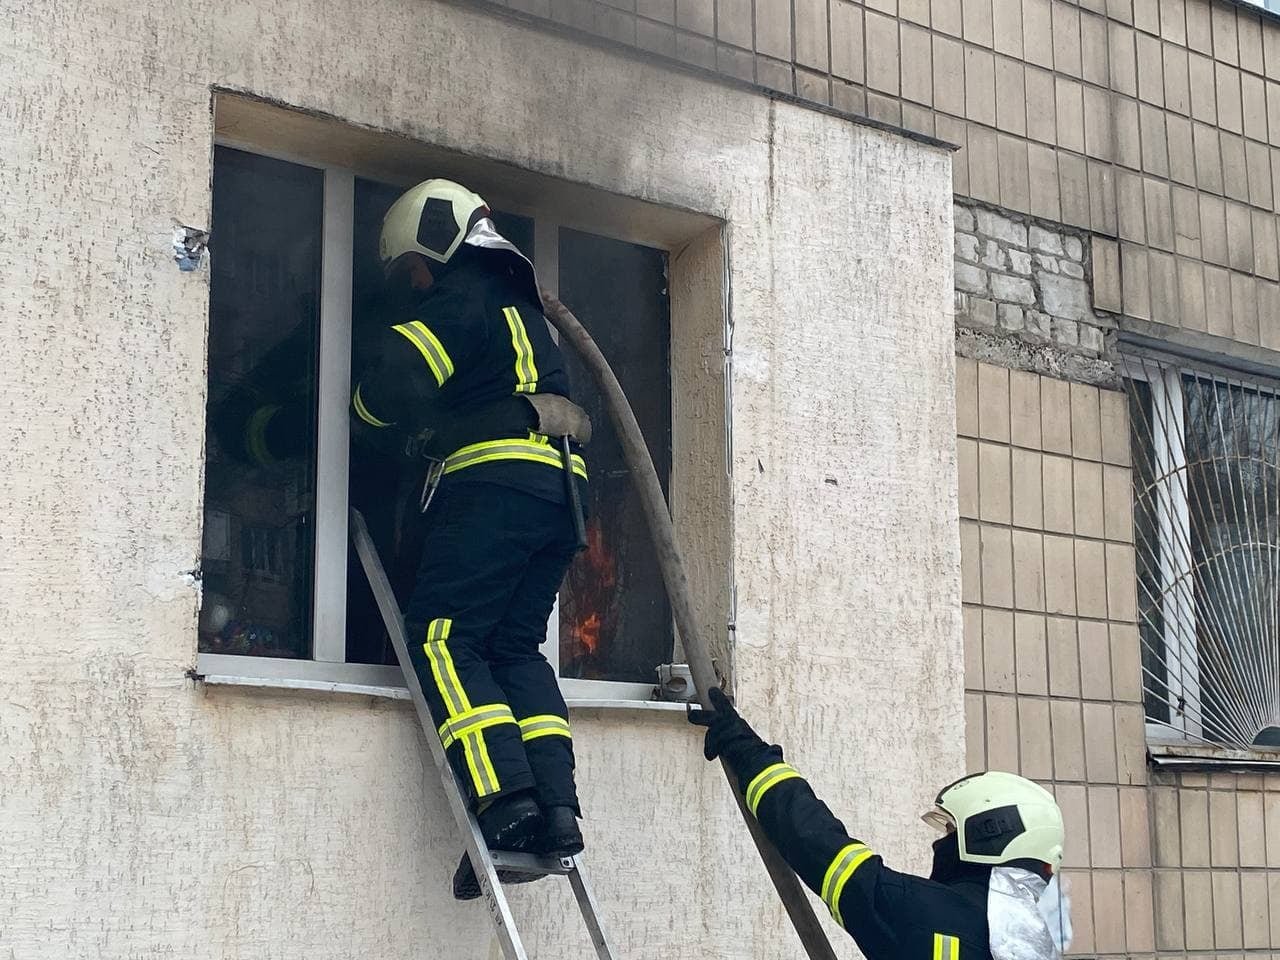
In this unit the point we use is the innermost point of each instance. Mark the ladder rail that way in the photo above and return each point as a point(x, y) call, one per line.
point(477, 849)
point(587, 907)
point(484, 862)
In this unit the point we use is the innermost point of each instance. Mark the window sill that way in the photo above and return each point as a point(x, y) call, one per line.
point(1176, 756)
point(381, 682)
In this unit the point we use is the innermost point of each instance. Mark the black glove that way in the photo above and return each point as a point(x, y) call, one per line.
point(728, 735)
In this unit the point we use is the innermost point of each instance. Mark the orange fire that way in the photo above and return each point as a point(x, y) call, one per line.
point(589, 632)
point(594, 578)
point(599, 560)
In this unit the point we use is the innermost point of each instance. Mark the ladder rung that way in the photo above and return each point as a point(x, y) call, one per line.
point(530, 863)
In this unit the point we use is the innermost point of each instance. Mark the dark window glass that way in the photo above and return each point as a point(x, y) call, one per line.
point(615, 623)
point(1146, 516)
point(258, 554)
point(383, 488)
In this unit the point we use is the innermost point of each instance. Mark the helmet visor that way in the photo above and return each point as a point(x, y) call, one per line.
point(939, 819)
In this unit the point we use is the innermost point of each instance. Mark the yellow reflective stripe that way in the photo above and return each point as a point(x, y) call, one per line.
point(442, 669)
point(766, 780)
point(946, 948)
point(842, 868)
point(529, 450)
point(486, 776)
point(449, 735)
point(256, 433)
point(474, 720)
point(546, 725)
point(432, 350)
point(526, 367)
point(363, 412)
point(479, 718)
point(457, 703)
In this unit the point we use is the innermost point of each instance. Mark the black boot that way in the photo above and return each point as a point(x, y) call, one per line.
point(509, 823)
point(562, 838)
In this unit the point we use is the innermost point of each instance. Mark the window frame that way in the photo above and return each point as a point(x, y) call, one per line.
point(1176, 565)
point(327, 668)
point(1164, 374)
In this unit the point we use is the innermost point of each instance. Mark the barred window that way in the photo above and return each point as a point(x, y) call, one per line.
point(1206, 479)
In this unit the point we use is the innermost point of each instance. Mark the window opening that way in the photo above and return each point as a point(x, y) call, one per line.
point(1207, 510)
point(285, 235)
point(261, 426)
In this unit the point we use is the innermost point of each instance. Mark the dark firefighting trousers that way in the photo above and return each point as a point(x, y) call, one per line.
point(493, 560)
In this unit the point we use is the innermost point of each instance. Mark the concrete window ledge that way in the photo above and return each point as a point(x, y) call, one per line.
point(385, 692)
point(1189, 757)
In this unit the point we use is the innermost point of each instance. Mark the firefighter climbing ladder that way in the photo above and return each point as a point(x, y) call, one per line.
point(485, 862)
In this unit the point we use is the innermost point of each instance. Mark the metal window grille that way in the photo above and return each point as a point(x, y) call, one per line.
point(1206, 484)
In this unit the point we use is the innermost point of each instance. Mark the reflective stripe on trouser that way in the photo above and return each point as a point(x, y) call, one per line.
point(545, 725)
point(945, 948)
point(492, 561)
point(465, 724)
point(843, 866)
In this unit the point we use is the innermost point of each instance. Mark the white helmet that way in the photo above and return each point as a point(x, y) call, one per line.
point(1001, 817)
point(432, 219)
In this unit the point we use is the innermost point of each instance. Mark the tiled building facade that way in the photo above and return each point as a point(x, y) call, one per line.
point(1128, 150)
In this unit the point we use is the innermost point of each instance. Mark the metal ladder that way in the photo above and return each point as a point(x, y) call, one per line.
point(486, 863)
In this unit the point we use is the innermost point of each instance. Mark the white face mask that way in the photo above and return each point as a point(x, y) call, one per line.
point(1027, 918)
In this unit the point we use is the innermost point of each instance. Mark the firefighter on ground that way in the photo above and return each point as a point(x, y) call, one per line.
point(992, 892)
point(472, 382)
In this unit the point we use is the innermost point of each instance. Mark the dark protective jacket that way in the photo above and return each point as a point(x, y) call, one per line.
point(454, 375)
point(891, 915)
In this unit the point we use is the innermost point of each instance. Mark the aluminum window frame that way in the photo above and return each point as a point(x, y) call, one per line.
point(328, 668)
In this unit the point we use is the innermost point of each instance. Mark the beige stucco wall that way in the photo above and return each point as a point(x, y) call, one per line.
point(143, 816)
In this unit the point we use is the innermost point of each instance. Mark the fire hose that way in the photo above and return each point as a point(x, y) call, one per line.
point(661, 530)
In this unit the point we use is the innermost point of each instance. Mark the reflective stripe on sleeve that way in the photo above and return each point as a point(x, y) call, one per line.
point(846, 862)
point(363, 412)
point(946, 948)
point(256, 434)
point(432, 350)
point(766, 780)
point(544, 725)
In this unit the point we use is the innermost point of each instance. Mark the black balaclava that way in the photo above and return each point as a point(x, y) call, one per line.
point(946, 859)
point(947, 865)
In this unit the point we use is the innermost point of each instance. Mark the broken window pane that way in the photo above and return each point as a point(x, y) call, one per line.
point(261, 426)
point(615, 623)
